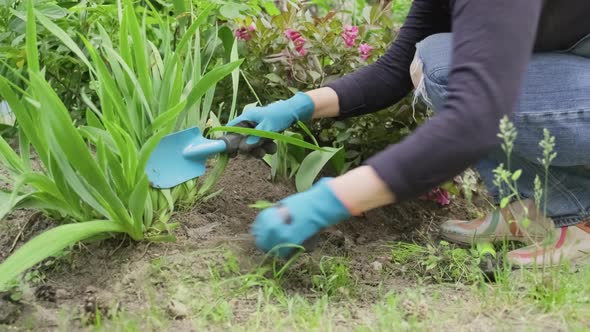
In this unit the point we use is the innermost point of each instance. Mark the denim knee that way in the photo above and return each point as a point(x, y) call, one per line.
point(434, 55)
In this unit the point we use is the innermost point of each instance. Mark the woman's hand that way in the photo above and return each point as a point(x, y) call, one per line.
point(299, 217)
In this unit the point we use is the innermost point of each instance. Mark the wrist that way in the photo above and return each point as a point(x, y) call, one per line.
point(304, 106)
point(361, 190)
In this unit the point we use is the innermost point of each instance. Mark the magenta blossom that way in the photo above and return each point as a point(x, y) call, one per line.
point(365, 51)
point(439, 195)
point(245, 33)
point(350, 34)
point(297, 40)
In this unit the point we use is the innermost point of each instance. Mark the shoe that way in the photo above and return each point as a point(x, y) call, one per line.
point(502, 224)
point(566, 244)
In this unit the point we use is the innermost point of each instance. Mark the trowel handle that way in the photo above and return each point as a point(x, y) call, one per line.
point(232, 143)
point(206, 148)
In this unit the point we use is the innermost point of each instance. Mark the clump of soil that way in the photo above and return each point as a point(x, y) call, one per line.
point(105, 276)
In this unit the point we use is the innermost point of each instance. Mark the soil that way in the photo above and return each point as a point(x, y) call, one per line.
point(107, 275)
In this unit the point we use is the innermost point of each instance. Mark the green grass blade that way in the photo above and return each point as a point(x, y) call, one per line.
point(268, 134)
point(50, 243)
point(31, 42)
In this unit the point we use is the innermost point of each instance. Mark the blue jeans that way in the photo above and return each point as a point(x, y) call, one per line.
point(556, 96)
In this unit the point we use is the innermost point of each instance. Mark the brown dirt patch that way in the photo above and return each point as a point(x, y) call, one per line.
point(112, 275)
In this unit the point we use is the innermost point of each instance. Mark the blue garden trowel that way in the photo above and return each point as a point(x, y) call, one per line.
point(183, 155)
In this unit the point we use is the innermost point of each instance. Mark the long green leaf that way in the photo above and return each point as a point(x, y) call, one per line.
point(9, 200)
point(311, 166)
point(137, 202)
point(139, 50)
point(268, 134)
point(209, 80)
point(50, 243)
point(64, 37)
point(190, 32)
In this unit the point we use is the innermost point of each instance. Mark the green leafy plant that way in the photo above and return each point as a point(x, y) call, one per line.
point(94, 175)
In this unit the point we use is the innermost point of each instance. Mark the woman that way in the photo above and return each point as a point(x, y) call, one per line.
point(474, 62)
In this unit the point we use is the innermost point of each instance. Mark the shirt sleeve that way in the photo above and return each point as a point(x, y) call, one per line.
point(492, 45)
point(387, 81)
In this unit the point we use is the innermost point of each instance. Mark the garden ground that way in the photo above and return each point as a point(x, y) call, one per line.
point(213, 277)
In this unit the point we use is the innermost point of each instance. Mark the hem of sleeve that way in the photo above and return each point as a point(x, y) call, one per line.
point(350, 100)
point(392, 177)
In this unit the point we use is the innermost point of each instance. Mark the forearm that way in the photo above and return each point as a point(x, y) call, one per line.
point(361, 190)
point(385, 82)
point(326, 103)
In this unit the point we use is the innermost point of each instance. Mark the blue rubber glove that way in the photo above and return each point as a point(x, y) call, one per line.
point(276, 117)
point(297, 218)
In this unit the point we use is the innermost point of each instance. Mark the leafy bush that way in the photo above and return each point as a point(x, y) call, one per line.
point(64, 71)
point(95, 176)
point(297, 51)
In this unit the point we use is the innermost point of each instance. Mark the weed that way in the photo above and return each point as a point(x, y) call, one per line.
point(334, 277)
point(440, 263)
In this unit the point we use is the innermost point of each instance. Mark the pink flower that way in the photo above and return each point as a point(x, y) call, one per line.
point(297, 40)
point(245, 33)
point(439, 195)
point(365, 51)
point(350, 34)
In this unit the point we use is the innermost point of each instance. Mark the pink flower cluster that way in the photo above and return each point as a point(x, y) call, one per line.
point(297, 40)
point(365, 51)
point(245, 33)
point(350, 34)
point(439, 195)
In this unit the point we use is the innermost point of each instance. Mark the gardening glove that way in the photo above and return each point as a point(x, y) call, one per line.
point(297, 218)
point(275, 117)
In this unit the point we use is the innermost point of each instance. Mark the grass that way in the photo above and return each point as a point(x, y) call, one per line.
point(216, 289)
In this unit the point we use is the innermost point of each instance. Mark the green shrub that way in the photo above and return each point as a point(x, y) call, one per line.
point(94, 176)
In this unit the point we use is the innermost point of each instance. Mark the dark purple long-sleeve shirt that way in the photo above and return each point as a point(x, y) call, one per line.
point(492, 45)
